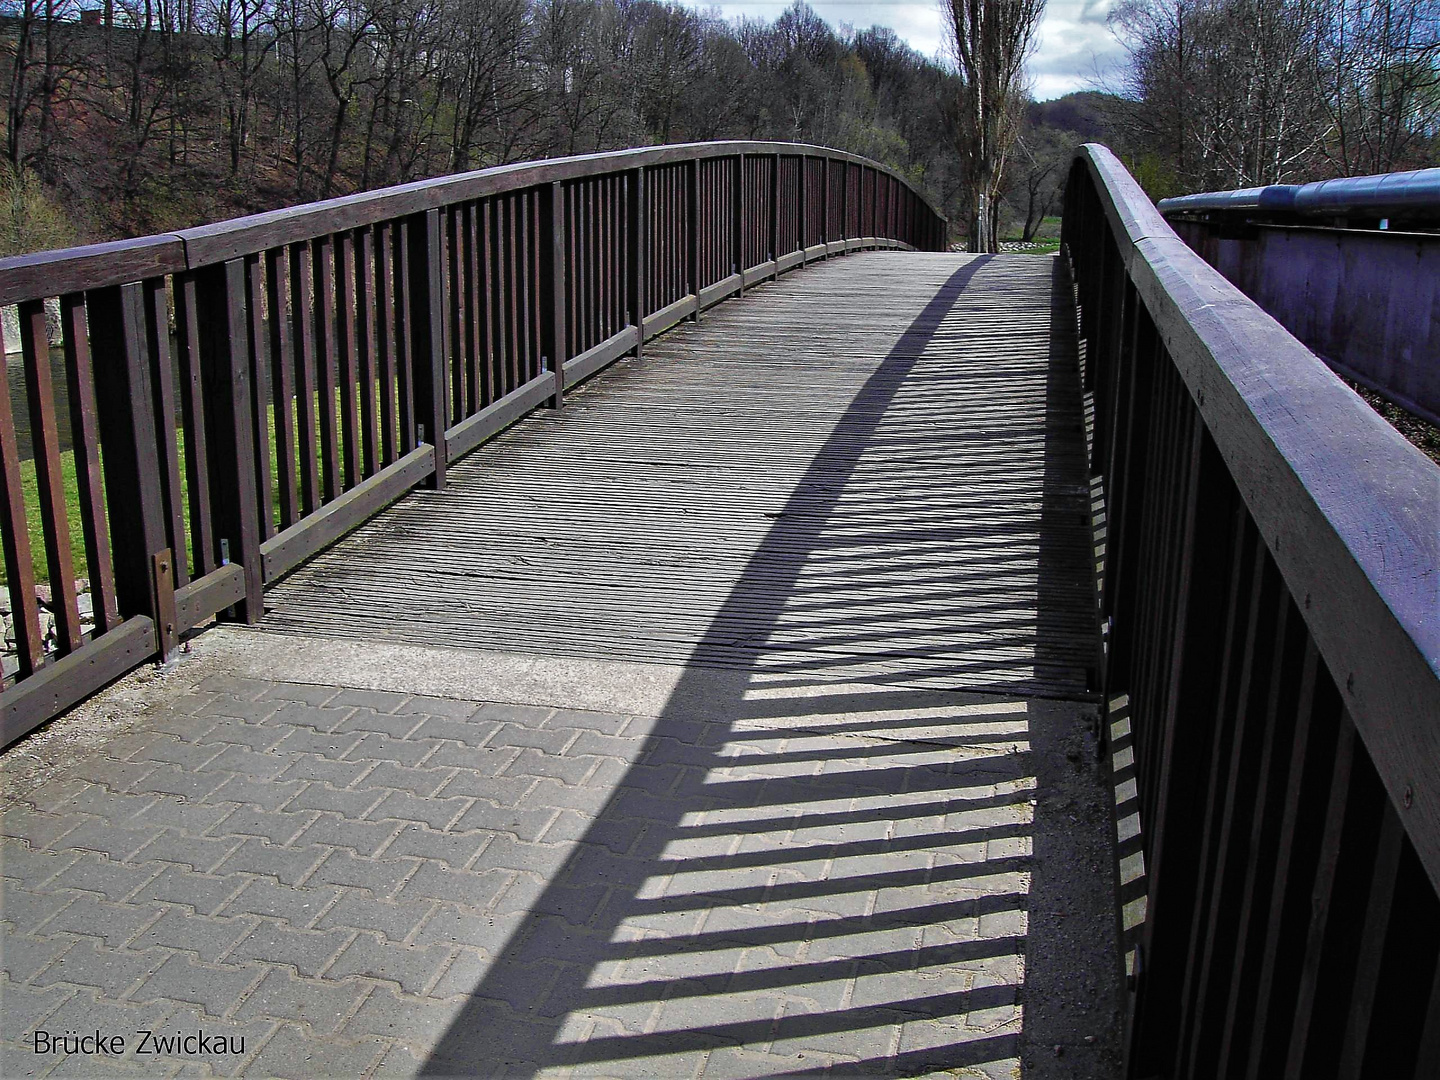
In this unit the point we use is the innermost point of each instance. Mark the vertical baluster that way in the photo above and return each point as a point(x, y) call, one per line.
point(133, 478)
point(282, 382)
point(260, 363)
point(478, 396)
point(15, 537)
point(345, 341)
point(50, 484)
point(365, 344)
point(192, 406)
point(494, 349)
point(639, 253)
point(404, 339)
point(385, 341)
point(512, 277)
point(162, 383)
point(322, 255)
point(221, 295)
point(85, 438)
point(426, 317)
point(555, 342)
point(305, 315)
point(454, 232)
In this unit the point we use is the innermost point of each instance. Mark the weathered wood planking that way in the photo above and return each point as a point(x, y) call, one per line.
point(871, 470)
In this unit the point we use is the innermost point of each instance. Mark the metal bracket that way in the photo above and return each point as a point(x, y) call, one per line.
point(162, 577)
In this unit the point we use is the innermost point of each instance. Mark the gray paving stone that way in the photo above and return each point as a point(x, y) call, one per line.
point(292, 1053)
point(193, 817)
point(113, 840)
point(471, 731)
point(288, 691)
point(35, 827)
point(308, 951)
point(20, 1060)
point(435, 881)
point(240, 1041)
point(300, 907)
point(522, 824)
point(349, 804)
point(243, 761)
point(571, 770)
point(236, 686)
point(25, 1006)
point(561, 796)
point(197, 852)
point(107, 774)
point(438, 813)
point(362, 837)
point(168, 750)
point(215, 989)
point(110, 971)
point(245, 791)
point(180, 781)
point(304, 741)
point(378, 876)
point(288, 865)
point(454, 849)
point(277, 826)
point(208, 937)
point(360, 911)
point(526, 715)
point(512, 854)
point(465, 974)
point(378, 701)
point(111, 880)
point(376, 747)
point(500, 790)
point(583, 720)
point(91, 917)
point(410, 967)
point(320, 1004)
point(337, 774)
point(418, 781)
point(396, 725)
point(388, 1015)
point(484, 931)
point(249, 733)
point(21, 957)
point(85, 1013)
point(204, 893)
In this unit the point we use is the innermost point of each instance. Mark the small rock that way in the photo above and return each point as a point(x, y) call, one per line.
point(9, 665)
point(1059, 1051)
point(86, 606)
point(1089, 1040)
point(82, 585)
point(42, 594)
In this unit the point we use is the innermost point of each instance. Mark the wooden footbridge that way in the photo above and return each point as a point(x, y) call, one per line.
point(636, 658)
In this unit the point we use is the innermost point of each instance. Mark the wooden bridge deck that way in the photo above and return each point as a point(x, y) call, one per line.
point(870, 470)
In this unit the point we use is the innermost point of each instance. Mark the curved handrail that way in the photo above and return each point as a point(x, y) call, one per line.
point(101, 265)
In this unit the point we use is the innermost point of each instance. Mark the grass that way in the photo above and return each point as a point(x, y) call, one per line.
point(31, 493)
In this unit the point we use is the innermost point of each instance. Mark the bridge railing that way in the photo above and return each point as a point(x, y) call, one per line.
point(237, 396)
point(1271, 588)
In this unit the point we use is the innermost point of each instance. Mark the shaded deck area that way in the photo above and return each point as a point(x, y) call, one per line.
point(730, 721)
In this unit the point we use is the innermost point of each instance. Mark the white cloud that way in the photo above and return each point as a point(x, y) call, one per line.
point(1075, 48)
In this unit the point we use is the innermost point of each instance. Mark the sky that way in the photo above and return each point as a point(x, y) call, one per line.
point(1075, 47)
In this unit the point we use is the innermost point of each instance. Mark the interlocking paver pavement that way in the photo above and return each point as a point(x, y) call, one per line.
point(722, 895)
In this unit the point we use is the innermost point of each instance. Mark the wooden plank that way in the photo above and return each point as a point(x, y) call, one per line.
point(282, 381)
point(303, 314)
point(65, 682)
point(85, 438)
point(262, 362)
point(49, 481)
point(286, 550)
point(601, 356)
point(498, 415)
point(19, 570)
point(207, 596)
point(95, 266)
point(668, 316)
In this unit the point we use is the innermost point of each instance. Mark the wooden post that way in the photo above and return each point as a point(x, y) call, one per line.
point(639, 213)
point(775, 217)
point(739, 216)
point(804, 206)
point(694, 225)
point(130, 458)
point(426, 319)
point(555, 340)
point(825, 208)
point(220, 295)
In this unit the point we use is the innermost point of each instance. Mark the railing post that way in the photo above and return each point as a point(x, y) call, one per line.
point(825, 208)
point(220, 295)
point(130, 456)
point(426, 319)
point(556, 338)
point(775, 217)
point(639, 213)
point(740, 218)
point(804, 206)
point(694, 224)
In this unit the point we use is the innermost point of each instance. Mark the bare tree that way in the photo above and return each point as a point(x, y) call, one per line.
point(989, 41)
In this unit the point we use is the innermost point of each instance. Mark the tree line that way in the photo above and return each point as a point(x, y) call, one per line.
point(1235, 93)
point(149, 114)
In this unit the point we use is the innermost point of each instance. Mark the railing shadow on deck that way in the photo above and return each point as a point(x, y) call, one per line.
point(745, 883)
